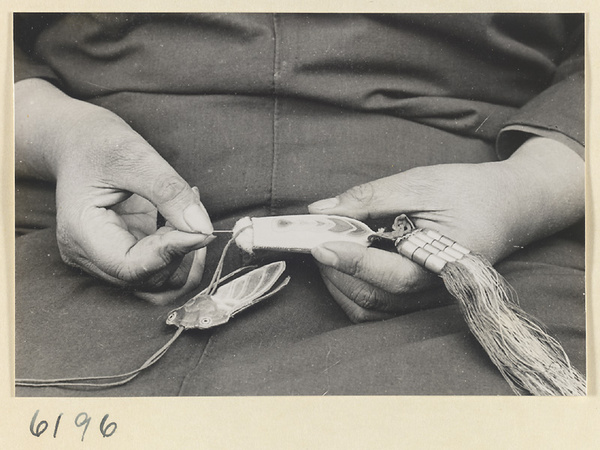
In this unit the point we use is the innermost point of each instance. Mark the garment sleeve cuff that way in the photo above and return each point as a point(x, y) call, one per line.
point(512, 137)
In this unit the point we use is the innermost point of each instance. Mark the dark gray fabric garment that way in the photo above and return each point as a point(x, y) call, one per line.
point(265, 114)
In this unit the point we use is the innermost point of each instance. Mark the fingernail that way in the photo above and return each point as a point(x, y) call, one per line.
point(325, 256)
point(209, 239)
point(197, 219)
point(328, 203)
point(201, 240)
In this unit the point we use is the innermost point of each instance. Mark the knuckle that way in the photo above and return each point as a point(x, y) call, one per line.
point(141, 277)
point(156, 281)
point(178, 278)
point(353, 265)
point(415, 278)
point(359, 316)
point(123, 154)
point(182, 273)
point(71, 260)
point(167, 251)
point(155, 271)
point(393, 284)
point(66, 256)
point(366, 297)
point(68, 250)
point(168, 188)
point(133, 278)
point(397, 276)
point(64, 242)
point(363, 193)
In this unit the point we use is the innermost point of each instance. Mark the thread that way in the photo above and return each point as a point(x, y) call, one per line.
point(528, 358)
point(123, 378)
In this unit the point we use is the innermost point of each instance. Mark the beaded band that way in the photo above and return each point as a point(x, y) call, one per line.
point(430, 249)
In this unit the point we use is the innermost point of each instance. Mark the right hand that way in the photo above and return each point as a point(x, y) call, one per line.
point(491, 208)
point(109, 185)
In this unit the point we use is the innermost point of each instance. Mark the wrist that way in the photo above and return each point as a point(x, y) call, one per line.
point(40, 123)
point(545, 182)
point(45, 124)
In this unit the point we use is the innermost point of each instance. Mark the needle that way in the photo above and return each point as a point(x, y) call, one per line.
point(160, 222)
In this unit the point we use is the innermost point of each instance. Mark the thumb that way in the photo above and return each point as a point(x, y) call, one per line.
point(379, 198)
point(155, 180)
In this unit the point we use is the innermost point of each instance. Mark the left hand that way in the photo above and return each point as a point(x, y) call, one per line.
point(109, 184)
point(138, 217)
point(491, 208)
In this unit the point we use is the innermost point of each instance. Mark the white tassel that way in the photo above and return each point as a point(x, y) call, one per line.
point(528, 357)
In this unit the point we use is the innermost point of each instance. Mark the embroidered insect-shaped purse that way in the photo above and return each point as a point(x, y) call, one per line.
point(207, 310)
point(214, 306)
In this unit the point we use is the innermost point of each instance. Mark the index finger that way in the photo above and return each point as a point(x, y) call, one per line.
point(386, 270)
point(402, 192)
point(192, 282)
point(103, 242)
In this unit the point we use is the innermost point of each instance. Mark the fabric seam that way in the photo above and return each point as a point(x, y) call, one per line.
point(275, 113)
point(195, 368)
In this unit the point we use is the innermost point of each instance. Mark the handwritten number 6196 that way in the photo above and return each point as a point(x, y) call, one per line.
point(107, 429)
